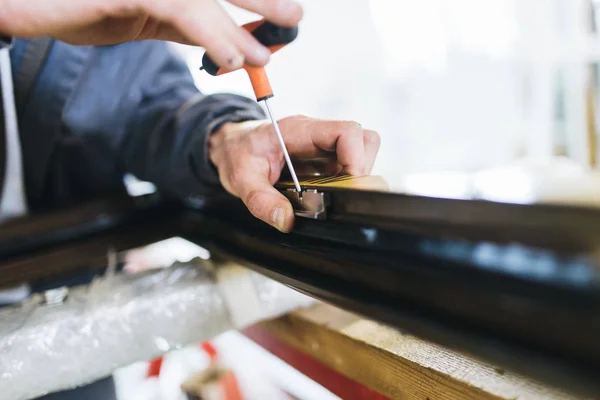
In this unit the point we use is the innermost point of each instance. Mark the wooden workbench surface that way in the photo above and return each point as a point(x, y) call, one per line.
point(397, 365)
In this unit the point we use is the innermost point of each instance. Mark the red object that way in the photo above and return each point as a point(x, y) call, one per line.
point(231, 388)
point(154, 368)
point(229, 384)
point(332, 380)
point(210, 350)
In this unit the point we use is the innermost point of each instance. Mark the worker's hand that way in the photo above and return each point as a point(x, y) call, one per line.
point(102, 22)
point(250, 160)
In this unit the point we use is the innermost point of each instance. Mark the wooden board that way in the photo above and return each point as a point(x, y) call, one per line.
point(395, 364)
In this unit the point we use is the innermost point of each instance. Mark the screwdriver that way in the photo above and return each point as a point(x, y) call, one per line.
point(273, 37)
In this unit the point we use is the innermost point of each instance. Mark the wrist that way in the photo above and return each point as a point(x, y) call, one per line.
point(217, 140)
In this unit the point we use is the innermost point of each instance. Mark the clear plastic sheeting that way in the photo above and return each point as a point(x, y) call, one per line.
point(120, 319)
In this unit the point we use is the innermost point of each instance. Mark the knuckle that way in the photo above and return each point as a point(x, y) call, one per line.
point(351, 127)
point(252, 201)
point(294, 120)
point(372, 138)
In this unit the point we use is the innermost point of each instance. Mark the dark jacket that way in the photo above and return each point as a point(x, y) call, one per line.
point(98, 113)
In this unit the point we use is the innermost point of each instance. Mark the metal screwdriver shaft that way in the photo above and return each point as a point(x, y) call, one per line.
point(274, 37)
point(288, 161)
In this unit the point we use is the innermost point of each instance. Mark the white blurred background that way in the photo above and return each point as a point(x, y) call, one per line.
point(458, 85)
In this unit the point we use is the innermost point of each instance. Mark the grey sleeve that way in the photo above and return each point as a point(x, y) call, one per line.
point(167, 139)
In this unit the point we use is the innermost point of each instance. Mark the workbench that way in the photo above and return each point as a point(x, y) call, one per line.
point(356, 358)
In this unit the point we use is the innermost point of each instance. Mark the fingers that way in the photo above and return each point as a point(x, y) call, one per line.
point(371, 142)
point(266, 203)
point(350, 149)
point(280, 12)
point(205, 23)
point(249, 159)
point(248, 166)
point(310, 138)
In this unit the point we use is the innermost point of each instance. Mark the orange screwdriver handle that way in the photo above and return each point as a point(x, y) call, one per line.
point(273, 37)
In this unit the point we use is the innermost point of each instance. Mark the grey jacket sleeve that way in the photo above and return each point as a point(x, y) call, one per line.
point(98, 113)
point(166, 139)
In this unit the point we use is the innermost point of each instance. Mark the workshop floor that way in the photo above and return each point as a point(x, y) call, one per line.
point(260, 375)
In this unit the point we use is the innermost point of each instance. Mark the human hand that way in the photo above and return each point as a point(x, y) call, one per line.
point(249, 159)
point(104, 22)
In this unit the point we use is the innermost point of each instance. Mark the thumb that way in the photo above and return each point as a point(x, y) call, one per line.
point(267, 204)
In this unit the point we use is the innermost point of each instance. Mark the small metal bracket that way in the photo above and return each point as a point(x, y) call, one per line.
point(313, 204)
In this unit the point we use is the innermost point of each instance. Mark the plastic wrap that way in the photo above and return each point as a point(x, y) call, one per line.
point(122, 319)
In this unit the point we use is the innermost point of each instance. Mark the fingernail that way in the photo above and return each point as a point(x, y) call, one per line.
point(278, 218)
point(235, 62)
point(262, 54)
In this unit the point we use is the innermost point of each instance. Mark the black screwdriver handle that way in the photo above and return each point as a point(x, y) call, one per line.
point(268, 34)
